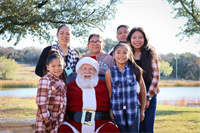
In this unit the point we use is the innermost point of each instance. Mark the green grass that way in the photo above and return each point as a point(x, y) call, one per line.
point(15, 107)
point(173, 119)
point(169, 119)
point(26, 72)
point(25, 77)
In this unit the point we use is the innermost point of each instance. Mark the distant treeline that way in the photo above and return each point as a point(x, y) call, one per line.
point(188, 65)
point(29, 55)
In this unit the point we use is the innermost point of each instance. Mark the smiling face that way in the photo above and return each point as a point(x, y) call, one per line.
point(121, 55)
point(137, 40)
point(55, 67)
point(122, 34)
point(63, 35)
point(87, 71)
point(95, 45)
point(87, 77)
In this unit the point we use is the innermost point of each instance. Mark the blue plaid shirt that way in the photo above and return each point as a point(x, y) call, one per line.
point(124, 93)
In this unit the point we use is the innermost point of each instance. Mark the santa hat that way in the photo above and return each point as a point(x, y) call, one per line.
point(88, 60)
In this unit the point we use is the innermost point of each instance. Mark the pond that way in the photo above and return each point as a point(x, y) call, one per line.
point(19, 92)
point(166, 93)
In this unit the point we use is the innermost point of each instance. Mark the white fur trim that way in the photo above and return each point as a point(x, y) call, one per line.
point(102, 126)
point(72, 127)
point(88, 60)
point(89, 102)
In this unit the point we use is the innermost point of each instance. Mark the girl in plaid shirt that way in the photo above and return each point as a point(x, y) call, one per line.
point(122, 82)
point(145, 56)
point(51, 96)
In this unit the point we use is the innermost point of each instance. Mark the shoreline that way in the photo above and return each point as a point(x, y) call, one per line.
point(34, 83)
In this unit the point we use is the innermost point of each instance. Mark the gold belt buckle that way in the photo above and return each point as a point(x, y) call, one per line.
point(91, 122)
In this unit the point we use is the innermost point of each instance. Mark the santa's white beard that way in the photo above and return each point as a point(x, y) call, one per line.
point(87, 83)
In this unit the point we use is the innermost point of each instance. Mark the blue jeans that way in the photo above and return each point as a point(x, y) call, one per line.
point(130, 129)
point(148, 123)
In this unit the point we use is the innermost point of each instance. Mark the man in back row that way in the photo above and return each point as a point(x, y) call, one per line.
point(122, 33)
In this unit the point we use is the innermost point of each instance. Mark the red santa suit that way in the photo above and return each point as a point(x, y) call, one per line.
point(78, 100)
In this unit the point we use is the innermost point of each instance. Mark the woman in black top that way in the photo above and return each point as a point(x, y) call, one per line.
point(146, 57)
point(70, 54)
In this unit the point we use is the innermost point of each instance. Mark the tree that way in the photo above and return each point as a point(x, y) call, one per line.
point(37, 17)
point(32, 56)
point(190, 10)
point(109, 44)
point(1, 52)
point(8, 66)
point(188, 66)
point(165, 68)
point(168, 57)
point(83, 49)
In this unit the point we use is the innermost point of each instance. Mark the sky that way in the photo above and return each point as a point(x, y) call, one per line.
point(154, 16)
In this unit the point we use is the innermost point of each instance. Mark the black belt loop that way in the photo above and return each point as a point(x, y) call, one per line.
point(76, 115)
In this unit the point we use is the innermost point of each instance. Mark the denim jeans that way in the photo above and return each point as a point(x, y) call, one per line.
point(130, 129)
point(148, 124)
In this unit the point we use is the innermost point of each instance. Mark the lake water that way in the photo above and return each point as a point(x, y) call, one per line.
point(166, 93)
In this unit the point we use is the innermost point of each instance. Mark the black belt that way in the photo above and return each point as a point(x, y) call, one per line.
point(77, 116)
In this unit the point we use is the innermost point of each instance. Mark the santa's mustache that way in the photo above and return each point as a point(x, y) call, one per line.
point(87, 75)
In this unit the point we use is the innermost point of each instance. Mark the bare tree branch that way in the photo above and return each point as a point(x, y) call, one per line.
point(190, 13)
point(41, 4)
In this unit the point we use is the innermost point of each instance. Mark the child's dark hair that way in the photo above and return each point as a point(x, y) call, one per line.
point(134, 68)
point(54, 55)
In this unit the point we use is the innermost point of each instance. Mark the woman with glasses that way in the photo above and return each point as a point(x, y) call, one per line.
point(95, 44)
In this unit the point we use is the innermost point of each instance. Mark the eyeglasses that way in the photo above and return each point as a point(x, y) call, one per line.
point(97, 42)
point(90, 70)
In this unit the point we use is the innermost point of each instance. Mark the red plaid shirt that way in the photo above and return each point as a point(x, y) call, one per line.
point(153, 89)
point(51, 101)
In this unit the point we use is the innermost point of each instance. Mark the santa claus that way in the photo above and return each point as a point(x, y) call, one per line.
point(87, 102)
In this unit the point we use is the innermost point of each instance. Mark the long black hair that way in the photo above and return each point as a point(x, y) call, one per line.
point(147, 54)
point(134, 68)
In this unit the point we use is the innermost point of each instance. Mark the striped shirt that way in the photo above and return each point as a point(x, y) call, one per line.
point(51, 101)
point(124, 94)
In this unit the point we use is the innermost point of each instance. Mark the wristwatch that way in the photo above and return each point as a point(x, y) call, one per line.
point(148, 98)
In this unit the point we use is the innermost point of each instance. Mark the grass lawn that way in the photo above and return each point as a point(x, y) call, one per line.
point(26, 72)
point(169, 119)
point(15, 107)
point(173, 119)
point(25, 77)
